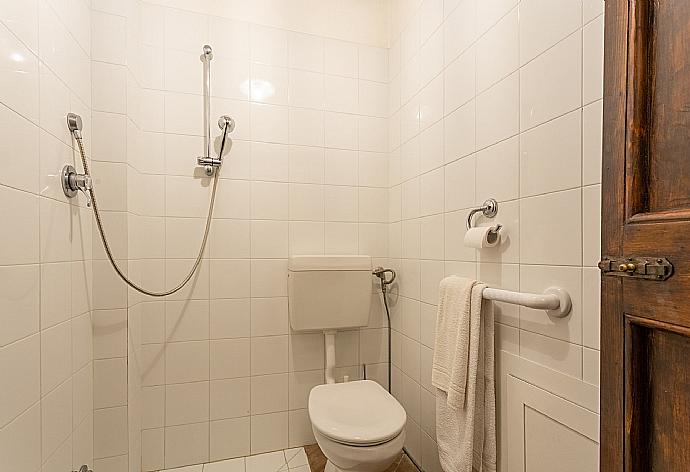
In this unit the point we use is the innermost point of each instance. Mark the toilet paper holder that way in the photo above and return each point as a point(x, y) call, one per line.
point(488, 209)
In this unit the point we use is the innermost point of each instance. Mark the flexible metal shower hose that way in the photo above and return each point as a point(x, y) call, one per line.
point(101, 231)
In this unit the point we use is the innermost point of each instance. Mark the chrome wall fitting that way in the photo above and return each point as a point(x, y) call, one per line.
point(227, 125)
point(206, 53)
point(380, 272)
point(224, 121)
point(488, 209)
point(73, 182)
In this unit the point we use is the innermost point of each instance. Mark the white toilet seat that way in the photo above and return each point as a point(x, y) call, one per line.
point(359, 413)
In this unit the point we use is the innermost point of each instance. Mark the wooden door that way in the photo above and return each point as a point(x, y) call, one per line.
point(645, 351)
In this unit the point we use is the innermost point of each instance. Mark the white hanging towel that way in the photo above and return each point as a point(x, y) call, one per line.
point(463, 374)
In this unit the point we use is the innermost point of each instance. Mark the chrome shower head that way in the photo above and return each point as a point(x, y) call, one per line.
point(74, 124)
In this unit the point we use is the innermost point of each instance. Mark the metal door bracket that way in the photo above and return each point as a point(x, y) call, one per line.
point(650, 268)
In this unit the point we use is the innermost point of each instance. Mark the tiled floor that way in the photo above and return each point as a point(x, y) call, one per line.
point(299, 459)
point(288, 460)
point(317, 461)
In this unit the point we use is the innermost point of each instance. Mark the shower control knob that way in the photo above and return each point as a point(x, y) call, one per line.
point(72, 182)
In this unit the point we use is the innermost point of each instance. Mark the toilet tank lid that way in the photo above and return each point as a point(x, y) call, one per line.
point(333, 262)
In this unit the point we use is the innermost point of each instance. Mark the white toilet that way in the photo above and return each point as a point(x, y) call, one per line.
point(358, 425)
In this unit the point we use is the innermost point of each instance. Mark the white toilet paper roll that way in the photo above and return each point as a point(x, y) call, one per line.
point(482, 237)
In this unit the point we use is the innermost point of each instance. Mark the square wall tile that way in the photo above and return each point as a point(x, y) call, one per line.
point(591, 303)
point(306, 351)
point(498, 111)
point(300, 384)
point(56, 358)
point(21, 440)
point(229, 438)
point(186, 403)
point(266, 355)
point(341, 58)
point(592, 142)
point(269, 393)
point(153, 449)
point(187, 361)
point(20, 363)
point(269, 278)
point(229, 358)
point(497, 174)
point(551, 229)
point(544, 23)
point(186, 320)
point(269, 432)
point(153, 407)
point(230, 398)
point(269, 316)
point(269, 239)
point(498, 51)
point(306, 52)
point(551, 85)
point(110, 432)
point(550, 156)
point(300, 432)
point(230, 318)
point(593, 60)
point(187, 444)
point(21, 244)
point(110, 382)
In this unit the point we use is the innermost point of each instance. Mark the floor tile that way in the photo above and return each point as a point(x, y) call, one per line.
point(231, 465)
point(296, 457)
point(269, 462)
point(302, 468)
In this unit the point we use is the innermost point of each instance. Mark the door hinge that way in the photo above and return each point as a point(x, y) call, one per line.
point(650, 268)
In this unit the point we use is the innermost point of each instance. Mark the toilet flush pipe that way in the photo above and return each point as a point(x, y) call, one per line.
point(329, 345)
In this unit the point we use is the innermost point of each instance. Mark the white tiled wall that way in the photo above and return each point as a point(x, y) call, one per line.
point(214, 371)
point(343, 145)
point(46, 418)
point(494, 99)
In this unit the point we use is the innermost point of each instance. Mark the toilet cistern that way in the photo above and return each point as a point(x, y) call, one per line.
point(327, 293)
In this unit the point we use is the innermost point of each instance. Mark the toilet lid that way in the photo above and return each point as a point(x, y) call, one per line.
point(358, 413)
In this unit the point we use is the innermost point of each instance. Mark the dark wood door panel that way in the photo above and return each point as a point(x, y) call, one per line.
point(669, 179)
point(657, 396)
point(658, 108)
